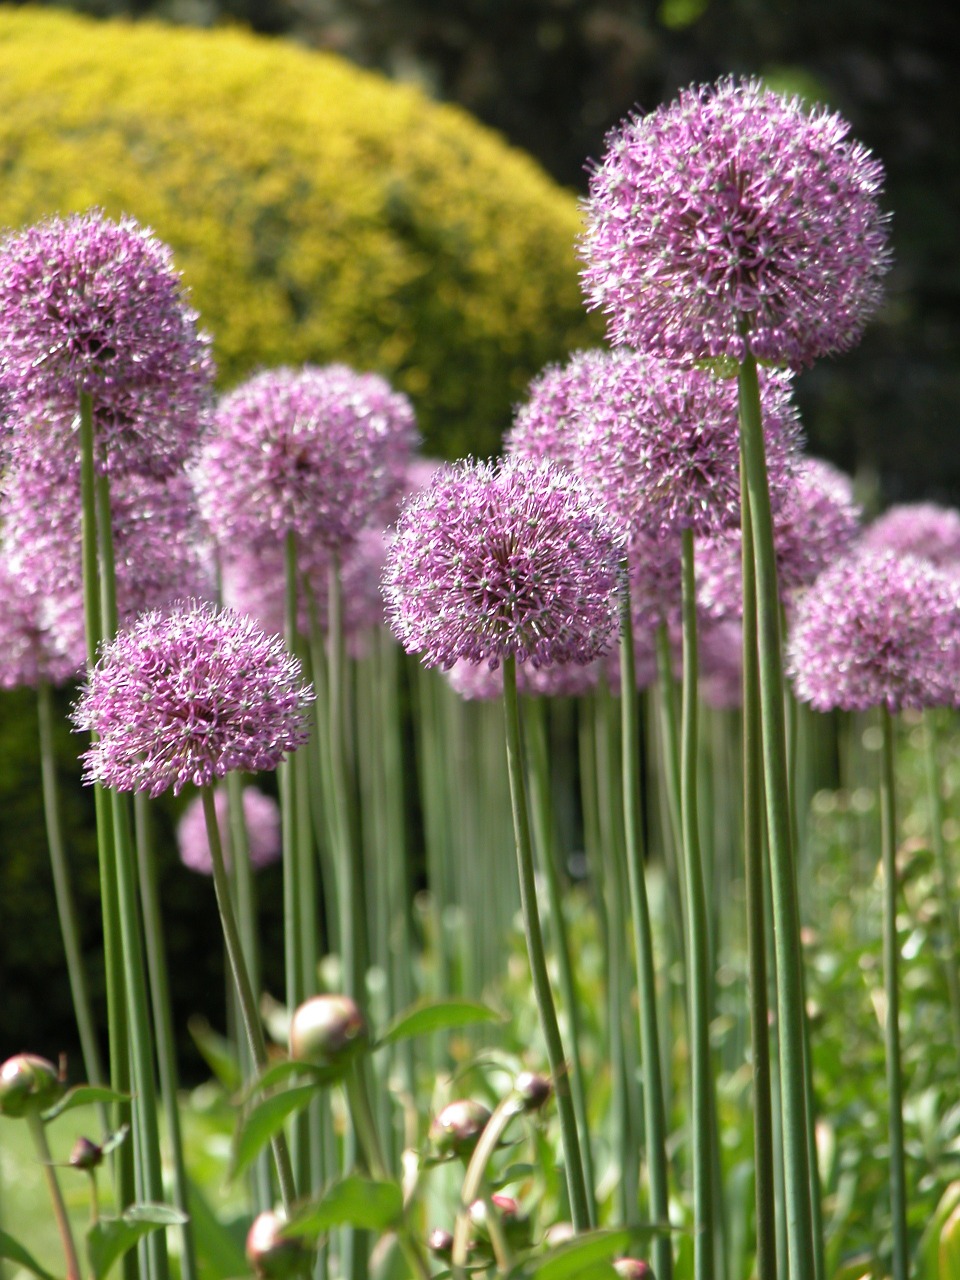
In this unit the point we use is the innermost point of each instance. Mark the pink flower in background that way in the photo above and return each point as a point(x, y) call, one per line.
point(261, 816)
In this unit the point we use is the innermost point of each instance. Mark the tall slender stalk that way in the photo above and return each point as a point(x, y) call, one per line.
point(66, 904)
point(576, 1183)
point(789, 959)
point(697, 940)
point(753, 838)
point(248, 1004)
point(948, 903)
point(655, 1123)
point(38, 1134)
point(891, 984)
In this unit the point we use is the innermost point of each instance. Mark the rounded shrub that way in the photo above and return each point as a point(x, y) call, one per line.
point(318, 212)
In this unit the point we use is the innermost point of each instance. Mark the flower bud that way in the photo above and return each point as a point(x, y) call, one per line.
point(457, 1128)
point(28, 1083)
point(532, 1089)
point(440, 1242)
point(633, 1269)
point(272, 1257)
point(328, 1030)
point(85, 1155)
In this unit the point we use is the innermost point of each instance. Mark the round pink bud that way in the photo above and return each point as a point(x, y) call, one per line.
point(457, 1128)
point(271, 1256)
point(28, 1084)
point(328, 1030)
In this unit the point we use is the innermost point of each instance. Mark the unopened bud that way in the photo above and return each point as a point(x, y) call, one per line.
point(533, 1089)
point(328, 1031)
point(271, 1256)
point(633, 1269)
point(440, 1242)
point(85, 1154)
point(457, 1128)
point(28, 1083)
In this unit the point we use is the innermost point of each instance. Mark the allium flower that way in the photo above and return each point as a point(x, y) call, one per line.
point(187, 697)
point(877, 629)
point(313, 451)
point(157, 548)
point(546, 424)
point(261, 816)
point(88, 304)
point(735, 218)
point(476, 682)
point(817, 523)
point(514, 559)
point(918, 528)
point(660, 443)
point(720, 654)
point(27, 655)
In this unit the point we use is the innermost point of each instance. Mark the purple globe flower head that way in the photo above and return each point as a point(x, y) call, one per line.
point(476, 682)
point(311, 451)
point(816, 523)
point(188, 696)
point(27, 655)
point(546, 424)
point(509, 559)
point(92, 305)
point(158, 551)
point(918, 528)
point(735, 219)
point(877, 629)
point(659, 442)
point(261, 816)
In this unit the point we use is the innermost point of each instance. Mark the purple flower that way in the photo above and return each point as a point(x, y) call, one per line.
point(660, 443)
point(507, 559)
point(877, 629)
point(920, 529)
point(476, 682)
point(735, 218)
point(817, 523)
point(545, 426)
point(157, 548)
point(720, 655)
point(87, 304)
point(313, 451)
point(261, 816)
point(27, 655)
point(187, 697)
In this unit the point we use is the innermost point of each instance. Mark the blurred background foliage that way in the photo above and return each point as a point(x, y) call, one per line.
point(440, 256)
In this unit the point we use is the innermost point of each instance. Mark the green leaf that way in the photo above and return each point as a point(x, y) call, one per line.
point(81, 1096)
point(436, 1015)
point(576, 1258)
point(14, 1252)
point(220, 1248)
point(110, 1238)
point(357, 1201)
point(264, 1121)
point(950, 1247)
point(284, 1071)
point(217, 1052)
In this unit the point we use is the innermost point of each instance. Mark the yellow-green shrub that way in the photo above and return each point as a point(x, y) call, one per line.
point(318, 212)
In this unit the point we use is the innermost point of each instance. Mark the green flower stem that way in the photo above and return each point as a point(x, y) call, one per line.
point(789, 959)
point(655, 1123)
point(361, 1113)
point(163, 1023)
point(697, 939)
point(753, 837)
point(475, 1175)
point(66, 904)
point(891, 983)
point(248, 1005)
point(35, 1125)
point(948, 905)
point(576, 1185)
point(545, 842)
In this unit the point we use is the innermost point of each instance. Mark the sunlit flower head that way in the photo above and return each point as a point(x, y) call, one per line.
point(732, 219)
point(92, 305)
point(188, 696)
point(261, 817)
point(877, 629)
point(27, 654)
point(513, 559)
point(922, 529)
point(545, 426)
point(314, 451)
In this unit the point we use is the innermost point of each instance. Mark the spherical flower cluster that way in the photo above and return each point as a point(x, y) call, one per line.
point(816, 523)
point(187, 697)
point(476, 682)
point(659, 442)
point(27, 655)
point(491, 561)
point(96, 306)
point(922, 529)
point(877, 629)
point(735, 219)
point(261, 817)
point(156, 539)
point(311, 451)
point(545, 426)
